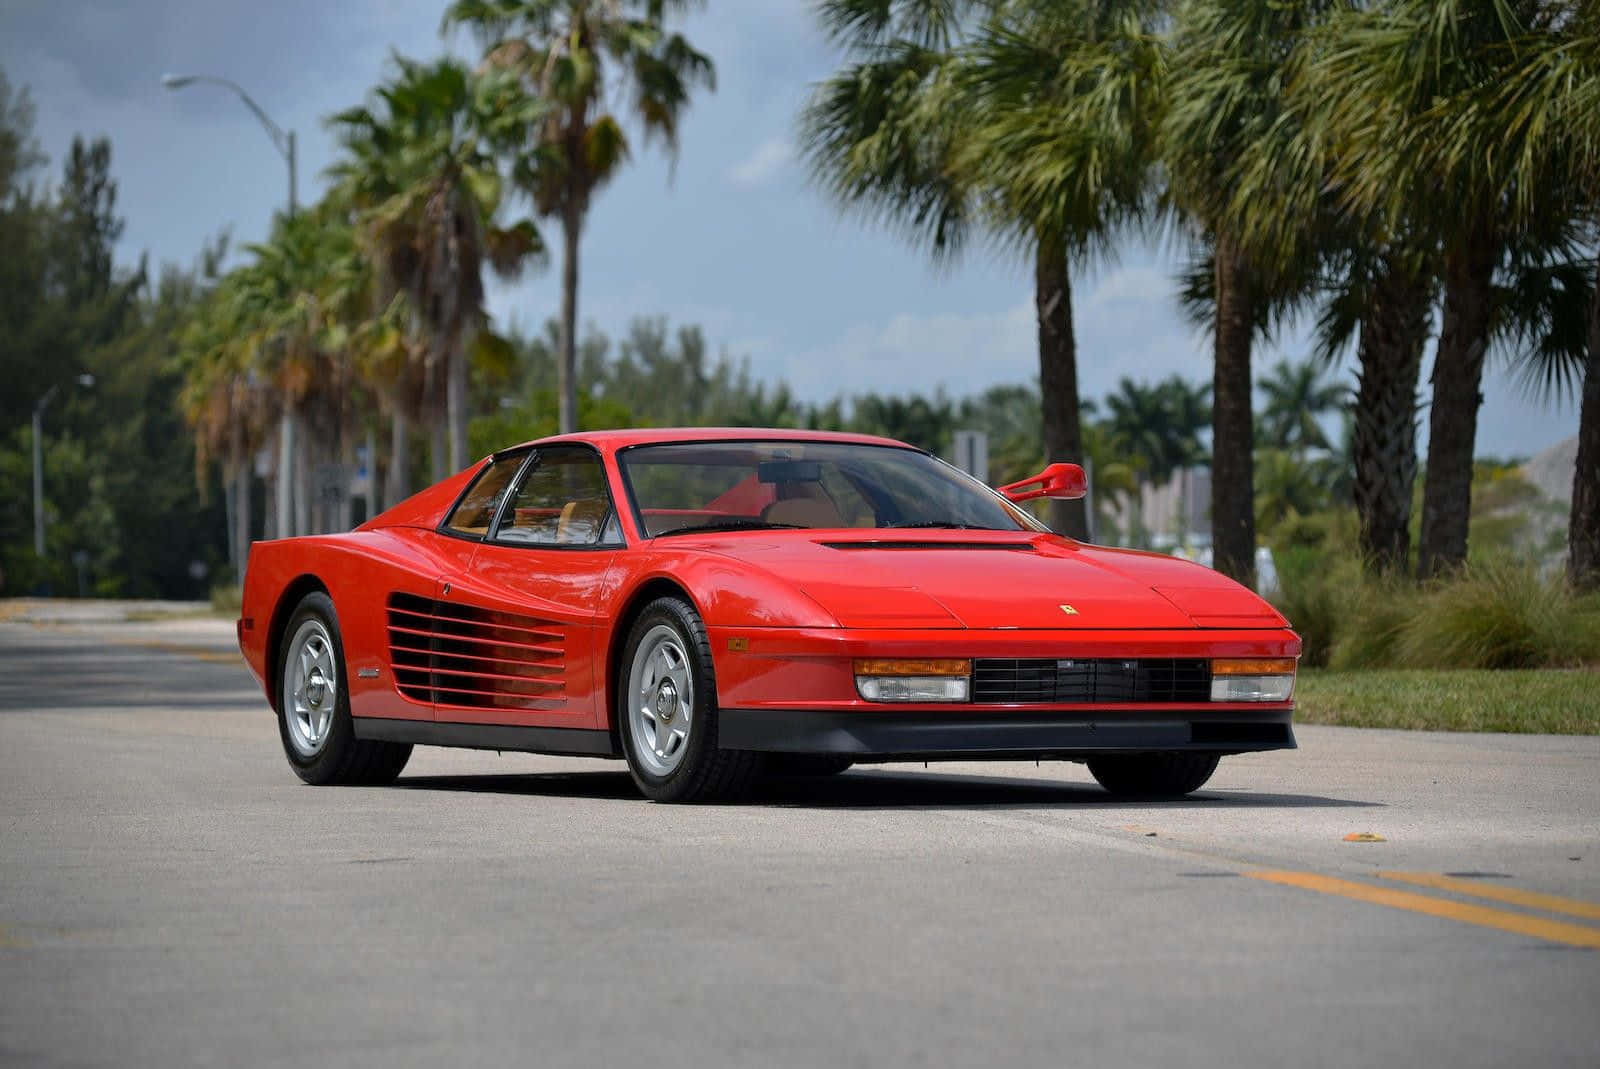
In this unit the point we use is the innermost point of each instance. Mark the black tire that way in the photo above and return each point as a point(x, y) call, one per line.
point(1153, 775)
point(807, 764)
point(337, 757)
point(701, 771)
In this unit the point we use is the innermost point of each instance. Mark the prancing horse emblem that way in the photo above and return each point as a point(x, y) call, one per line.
point(1069, 610)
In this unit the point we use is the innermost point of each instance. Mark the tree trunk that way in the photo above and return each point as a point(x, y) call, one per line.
point(1457, 393)
point(241, 510)
point(1393, 334)
point(1583, 536)
point(302, 480)
point(567, 367)
point(1233, 508)
point(455, 389)
point(286, 451)
point(398, 487)
point(374, 487)
point(1058, 377)
point(438, 446)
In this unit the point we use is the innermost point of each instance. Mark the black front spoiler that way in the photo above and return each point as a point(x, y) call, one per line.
point(1009, 735)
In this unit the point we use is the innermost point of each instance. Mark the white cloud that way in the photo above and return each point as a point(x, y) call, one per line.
point(762, 165)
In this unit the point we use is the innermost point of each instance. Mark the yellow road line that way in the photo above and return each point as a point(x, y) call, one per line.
point(1500, 893)
point(1520, 923)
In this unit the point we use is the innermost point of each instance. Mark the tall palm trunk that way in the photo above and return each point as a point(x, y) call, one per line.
point(241, 513)
point(1058, 375)
point(438, 446)
point(398, 482)
point(567, 372)
point(1583, 536)
point(302, 479)
point(1457, 393)
point(456, 400)
point(285, 487)
point(1233, 516)
point(1394, 332)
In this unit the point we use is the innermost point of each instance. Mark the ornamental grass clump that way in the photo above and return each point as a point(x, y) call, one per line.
point(1499, 614)
point(1376, 612)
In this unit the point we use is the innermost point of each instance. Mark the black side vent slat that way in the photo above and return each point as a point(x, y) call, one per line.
point(1070, 680)
point(449, 654)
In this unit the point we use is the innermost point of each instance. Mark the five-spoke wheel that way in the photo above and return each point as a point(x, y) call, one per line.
point(314, 707)
point(310, 686)
point(667, 710)
point(661, 699)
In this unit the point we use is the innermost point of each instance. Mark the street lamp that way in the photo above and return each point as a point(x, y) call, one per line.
point(284, 142)
point(85, 381)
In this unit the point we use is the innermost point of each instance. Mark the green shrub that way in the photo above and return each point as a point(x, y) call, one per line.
point(1314, 593)
point(1376, 612)
point(226, 598)
point(1499, 614)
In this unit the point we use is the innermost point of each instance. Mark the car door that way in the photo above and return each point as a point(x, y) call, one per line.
point(429, 642)
point(534, 588)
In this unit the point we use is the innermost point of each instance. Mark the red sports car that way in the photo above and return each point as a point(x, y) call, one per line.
point(707, 604)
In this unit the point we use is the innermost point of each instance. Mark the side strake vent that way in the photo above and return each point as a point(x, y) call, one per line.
point(460, 655)
point(1029, 680)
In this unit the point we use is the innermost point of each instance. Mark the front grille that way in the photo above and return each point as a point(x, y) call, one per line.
point(1035, 680)
point(479, 658)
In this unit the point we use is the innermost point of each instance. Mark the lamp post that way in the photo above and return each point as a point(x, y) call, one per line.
point(283, 141)
point(38, 461)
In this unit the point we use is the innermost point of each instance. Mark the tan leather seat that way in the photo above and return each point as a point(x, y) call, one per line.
point(580, 521)
point(804, 512)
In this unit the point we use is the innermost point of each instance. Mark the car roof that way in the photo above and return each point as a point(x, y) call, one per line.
point(622, 438)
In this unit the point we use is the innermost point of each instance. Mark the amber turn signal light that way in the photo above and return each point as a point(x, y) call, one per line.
point(913, 668)
point(1254, 666)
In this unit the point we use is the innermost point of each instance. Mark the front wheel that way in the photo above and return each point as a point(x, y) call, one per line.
point(314, 705)
point(666, 711)
point(1153, 775)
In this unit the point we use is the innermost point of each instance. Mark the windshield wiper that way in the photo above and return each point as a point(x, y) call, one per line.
point(944, 524)
point(731, 525)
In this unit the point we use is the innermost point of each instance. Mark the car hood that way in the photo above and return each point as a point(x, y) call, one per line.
point(983, 579)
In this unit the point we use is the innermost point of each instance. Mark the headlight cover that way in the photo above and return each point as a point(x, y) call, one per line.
point(1252, 679)
point(880, 680)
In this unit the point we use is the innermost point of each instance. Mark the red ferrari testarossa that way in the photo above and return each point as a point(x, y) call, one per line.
point(706, 604)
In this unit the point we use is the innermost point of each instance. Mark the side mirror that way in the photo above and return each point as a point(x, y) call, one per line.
point(1058, 480)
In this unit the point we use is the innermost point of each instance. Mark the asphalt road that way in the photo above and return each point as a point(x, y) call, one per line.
point(171, 895)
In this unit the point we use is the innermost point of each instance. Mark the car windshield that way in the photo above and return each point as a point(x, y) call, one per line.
point(765, 485)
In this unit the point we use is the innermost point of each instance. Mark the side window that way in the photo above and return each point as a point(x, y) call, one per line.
point(475, 511)
point(562, 501)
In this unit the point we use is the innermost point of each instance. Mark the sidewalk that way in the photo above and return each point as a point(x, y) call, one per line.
point(180, 626)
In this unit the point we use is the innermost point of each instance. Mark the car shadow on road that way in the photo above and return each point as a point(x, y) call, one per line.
point(864, 788)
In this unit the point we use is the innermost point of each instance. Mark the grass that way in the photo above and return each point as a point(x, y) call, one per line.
point(1523, 701)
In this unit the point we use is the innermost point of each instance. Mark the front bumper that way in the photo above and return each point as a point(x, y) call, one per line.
point(1009, 735)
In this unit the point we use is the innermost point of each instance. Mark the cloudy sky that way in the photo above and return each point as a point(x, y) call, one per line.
point(731, 238)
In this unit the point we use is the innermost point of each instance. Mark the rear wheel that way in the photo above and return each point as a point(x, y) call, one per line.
point(667, 711)
point(1153, 775)
point(314, 707)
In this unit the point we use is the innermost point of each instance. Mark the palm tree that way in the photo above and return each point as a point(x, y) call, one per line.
point(1550, 141)
point(1230, 68)
point(225, 401)
point(1297, 397)
point(1413, 141)
point(421, 170)
point(1032, 120)
point(562, 49)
